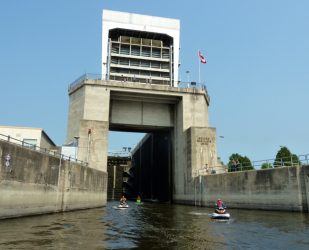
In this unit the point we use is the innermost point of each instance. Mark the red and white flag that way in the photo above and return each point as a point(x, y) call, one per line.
point(203, 60)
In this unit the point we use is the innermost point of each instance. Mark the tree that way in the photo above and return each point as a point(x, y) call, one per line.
point(285, 158)
point(238, 162)
point(266, 165)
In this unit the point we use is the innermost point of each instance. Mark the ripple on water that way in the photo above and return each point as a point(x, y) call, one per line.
point(156, 226)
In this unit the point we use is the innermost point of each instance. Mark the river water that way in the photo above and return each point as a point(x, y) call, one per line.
point(156, 226)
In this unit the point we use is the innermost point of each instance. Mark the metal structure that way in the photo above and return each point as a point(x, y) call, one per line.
point(140, 48)
point(53, 152)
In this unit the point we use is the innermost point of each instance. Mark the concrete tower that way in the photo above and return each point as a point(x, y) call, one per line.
point(140, 48)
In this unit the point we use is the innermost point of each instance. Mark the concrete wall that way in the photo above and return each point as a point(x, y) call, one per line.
point(35, 183)
point(285, 188)
point(141, 113)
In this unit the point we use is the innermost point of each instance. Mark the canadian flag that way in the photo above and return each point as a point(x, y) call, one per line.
point(203, 60)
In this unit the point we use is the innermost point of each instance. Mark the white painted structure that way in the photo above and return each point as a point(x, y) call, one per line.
point(32, 137)
point(140, 48)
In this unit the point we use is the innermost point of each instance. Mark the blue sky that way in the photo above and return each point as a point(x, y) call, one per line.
point(257, 73)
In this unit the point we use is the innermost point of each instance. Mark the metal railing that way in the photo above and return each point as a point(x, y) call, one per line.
point(141, 79)
point(52, 152)
point(148, 80)
point(290, 161)
point(86, 76)
point(119, 154)
point(192, 85)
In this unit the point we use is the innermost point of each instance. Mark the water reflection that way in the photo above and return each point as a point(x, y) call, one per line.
point(156, 226)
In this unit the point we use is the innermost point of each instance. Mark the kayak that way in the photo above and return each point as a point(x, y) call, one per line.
point(220, 213)
point(121, 206)
point(225, 216)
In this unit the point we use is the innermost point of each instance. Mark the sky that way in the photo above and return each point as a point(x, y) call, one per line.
point(257, 72)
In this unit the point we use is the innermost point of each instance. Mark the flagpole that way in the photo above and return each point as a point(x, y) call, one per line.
point(199, 67)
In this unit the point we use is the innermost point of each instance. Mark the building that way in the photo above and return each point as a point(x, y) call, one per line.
point(140, 48)
point(32, 137)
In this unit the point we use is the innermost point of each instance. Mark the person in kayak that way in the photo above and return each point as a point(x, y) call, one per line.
point(138, 199)
point(123, 200)
point(219, 203)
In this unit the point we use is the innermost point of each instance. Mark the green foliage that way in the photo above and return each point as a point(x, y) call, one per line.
point(266, 165)
point(285, 158)
point(238, 162)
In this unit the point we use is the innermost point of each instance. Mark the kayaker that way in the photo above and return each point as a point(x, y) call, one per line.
point(219, 203)
point(123, 200)
point(138, 199)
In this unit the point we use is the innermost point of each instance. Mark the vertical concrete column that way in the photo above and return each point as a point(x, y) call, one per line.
point(76, 110)
point(194, 144)
point(303, 186)
point(95, 126)
point(93, 147)
point(89, 120)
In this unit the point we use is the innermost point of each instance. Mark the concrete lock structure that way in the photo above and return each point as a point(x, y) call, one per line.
point(138, 91)
point(97, 106)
